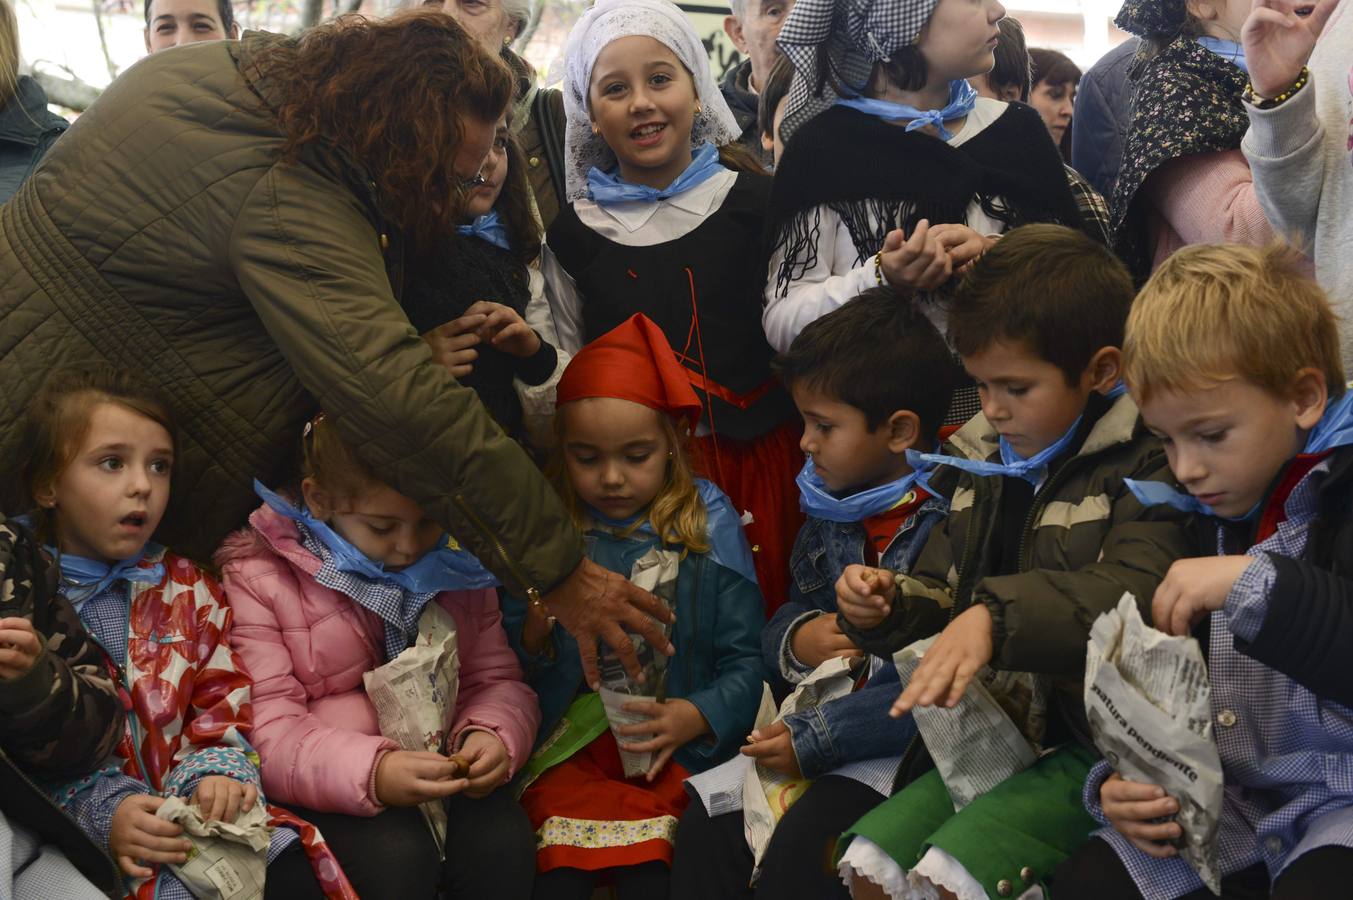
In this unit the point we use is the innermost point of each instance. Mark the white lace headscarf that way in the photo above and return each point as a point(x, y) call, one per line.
point(605, 22)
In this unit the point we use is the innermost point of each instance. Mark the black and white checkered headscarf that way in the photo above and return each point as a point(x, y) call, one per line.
point(857, 33)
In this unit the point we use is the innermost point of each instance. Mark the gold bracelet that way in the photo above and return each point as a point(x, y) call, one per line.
point(878, 269)
point(1259, 102)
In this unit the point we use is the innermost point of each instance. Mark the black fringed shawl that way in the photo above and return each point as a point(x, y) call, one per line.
point(878, 177)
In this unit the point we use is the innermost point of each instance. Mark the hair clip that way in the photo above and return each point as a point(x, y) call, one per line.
point(310, 425)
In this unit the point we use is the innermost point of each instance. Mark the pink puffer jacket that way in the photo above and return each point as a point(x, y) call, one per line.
point(307, 646)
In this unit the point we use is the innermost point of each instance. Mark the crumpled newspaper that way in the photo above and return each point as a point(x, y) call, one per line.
point(991, 734)
point(228, 860)
point(415, 697)
point(1148, 700)
point(655, 572)
point(766, 797)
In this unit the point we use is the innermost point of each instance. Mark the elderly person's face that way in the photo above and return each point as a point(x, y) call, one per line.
point(170, 23)
point(487, 21)
point(754, 34)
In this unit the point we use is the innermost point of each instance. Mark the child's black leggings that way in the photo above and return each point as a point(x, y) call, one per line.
point(646, 881)
point(490, 850)
point(1095, 871)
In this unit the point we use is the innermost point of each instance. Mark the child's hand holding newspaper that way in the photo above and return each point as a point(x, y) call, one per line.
point(1135, 810)
point(668, 724)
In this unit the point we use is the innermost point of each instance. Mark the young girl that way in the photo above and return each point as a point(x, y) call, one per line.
point(625, 407)
point(472, 299)
point(1184, 179)
point(329, 584)
point(99, 452)
point(922, 171)
point(660, 225)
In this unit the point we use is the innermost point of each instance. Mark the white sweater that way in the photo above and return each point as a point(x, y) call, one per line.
point(1299, 153)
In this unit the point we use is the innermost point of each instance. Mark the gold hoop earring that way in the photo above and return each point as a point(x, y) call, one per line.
point(699, 109)
point(507, 40)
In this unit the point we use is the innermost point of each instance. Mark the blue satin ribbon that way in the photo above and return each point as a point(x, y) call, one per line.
point(1334, 430)
point(488, 228)
point(1230, 51)
point(962, 99)
point(446, 568)
point(817, 501)
point(723, 526)
point(83, 579)
point(609, 187)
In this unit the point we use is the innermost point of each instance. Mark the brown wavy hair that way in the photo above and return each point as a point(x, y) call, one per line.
point(390, 93)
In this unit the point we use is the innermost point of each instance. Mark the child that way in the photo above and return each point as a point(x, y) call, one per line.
point(1042, 536)
point(1183, 179)
point(326, 590)
point(865, 505)
point(660, 225)
point(923, 173)
point(1233, 354)
point(60, 716)
point(471, 299)
point(770, 106)
point(625, 406)
point(99, 453)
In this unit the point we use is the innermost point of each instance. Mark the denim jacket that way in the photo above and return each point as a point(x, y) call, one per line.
point(716, 666)
point(856, 726)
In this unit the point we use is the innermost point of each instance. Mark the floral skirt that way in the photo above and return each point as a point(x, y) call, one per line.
point(587, 815)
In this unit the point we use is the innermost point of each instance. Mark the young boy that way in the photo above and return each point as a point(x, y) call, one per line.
point(1233, 354)
point(1042, 536)
point(871, 380)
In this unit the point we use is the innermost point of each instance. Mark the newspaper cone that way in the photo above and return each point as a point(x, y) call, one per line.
point(227, 860)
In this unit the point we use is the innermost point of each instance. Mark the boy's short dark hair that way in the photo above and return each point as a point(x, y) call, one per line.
point(1062, 294)
point(1014, 67)
point(772, 92)
point(879, 354)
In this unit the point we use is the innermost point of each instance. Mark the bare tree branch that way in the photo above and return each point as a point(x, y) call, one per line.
point(71, 93)
point(103, 38)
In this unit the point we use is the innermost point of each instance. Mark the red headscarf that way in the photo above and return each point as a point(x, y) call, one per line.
point(633, 361)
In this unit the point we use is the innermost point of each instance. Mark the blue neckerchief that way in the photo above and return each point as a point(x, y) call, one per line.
point(609, 187)
point(83, 579)
point(1012, 465)
point(1230, 51)
point(1334, 430)
point(446, 568)
point(962, 99)
point(727, 542)
point(817, 501)
point(488, 228)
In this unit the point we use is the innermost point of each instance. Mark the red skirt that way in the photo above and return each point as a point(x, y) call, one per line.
point(758, 476)
point(587, 815)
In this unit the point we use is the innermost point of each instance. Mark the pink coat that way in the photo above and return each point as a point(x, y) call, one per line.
point(307, 646)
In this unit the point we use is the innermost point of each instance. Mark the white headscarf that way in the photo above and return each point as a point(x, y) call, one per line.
point(605, 22)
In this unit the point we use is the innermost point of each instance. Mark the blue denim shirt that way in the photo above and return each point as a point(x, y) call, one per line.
point(856, 726)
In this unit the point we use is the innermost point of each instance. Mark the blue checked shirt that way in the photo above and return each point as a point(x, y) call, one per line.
point(1287, 754)
point(398, 608)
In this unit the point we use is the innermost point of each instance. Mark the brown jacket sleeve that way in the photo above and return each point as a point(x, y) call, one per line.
point(310, 262)
point(63, 717)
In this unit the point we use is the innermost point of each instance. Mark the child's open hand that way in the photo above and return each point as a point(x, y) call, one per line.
point(139, 836)
point(1131, 807)
point(672, 724)
point(505, 329)
point(820, 639)
point(773, 747)
point(950, 664)
point(223, 798)
point(919, 261)
point(864, 595)
point(20, 647)
point(1192, 588)
point(410, 777)
point(489, 762)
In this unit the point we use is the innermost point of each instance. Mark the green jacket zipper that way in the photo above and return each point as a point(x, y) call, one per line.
point(527, 588)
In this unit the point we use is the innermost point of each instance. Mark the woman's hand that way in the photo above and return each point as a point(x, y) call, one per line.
point(1131, 807)
point(505, 329)
point(1279, 36)
point(453, 344)
point(410, 777)
point(672, 724)
point(594, 603)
